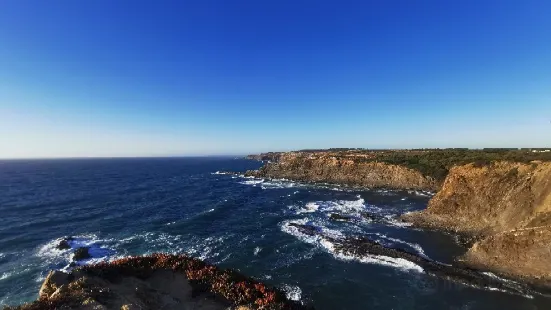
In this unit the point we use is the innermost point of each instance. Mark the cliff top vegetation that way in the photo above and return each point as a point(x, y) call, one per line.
point(431, 162)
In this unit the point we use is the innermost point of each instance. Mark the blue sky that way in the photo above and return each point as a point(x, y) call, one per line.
point(156, 78)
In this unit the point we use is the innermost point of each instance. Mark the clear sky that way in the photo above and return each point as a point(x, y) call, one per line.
point(154, 78)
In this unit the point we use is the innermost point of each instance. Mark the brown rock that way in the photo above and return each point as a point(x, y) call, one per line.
point(54, 280)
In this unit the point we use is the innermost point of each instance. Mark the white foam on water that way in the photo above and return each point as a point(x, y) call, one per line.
point(422, 193)
point(280, 183)
point(292, 292)
point(309, 208)
point(252, 182)
point(342, 206)
point(328, 246)
point(392, 220)
point(386, 192)
point(5, 275)
point(50, 254)
point(495, 289)
point(414, 246)
point(398, 263)
point(257, 250)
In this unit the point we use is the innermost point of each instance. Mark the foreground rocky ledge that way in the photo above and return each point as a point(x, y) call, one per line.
point(158, 281)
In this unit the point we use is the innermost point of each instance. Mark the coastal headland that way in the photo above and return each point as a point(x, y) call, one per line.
point(497, 199)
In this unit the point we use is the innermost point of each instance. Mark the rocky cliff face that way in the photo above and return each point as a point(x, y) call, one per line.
point(154, 282)
point(507, 206)
point(522, 253)
point(491, 199)
point(270, 156)
point(319, 167)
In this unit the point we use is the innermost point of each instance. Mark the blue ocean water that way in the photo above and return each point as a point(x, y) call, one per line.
point(124, 207)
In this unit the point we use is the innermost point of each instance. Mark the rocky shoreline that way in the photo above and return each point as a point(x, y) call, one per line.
point(363, 246)
point(157, 281)
point(501, 208)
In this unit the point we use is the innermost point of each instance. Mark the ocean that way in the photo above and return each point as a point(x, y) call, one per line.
point(122, 207)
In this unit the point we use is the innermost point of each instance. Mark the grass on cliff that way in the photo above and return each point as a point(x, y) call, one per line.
point(436, 163)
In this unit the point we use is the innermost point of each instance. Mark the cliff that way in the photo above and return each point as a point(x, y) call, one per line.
point(157, 281)
point(507, 207)
point(270, 156)
point(490, 199)
point(325, 167)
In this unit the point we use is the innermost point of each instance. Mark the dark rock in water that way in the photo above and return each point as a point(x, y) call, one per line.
point(63, 245)
point(73, 264)
point(81, 253)
point(373, 217)
point(339, 217)
point(306, 229)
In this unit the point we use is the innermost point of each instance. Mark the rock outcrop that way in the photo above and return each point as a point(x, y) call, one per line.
point(157, 281)
point(523, 253)
point(81, 253)
point(507, 207)
point(490, 199)
point(320, 167)
point(270, 156)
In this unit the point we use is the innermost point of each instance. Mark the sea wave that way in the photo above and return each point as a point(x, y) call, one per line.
point(54, 256)
point(5, 275)
point(253, 182)
point(344, 206)
point(293, 292)
point(356, 210)
point(323, 241)
point(414, 246)
point(257, 250)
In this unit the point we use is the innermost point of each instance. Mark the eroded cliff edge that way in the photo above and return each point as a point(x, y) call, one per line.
point(353, 171)
point(502, 200)
point(158, 281)
point(507, 207)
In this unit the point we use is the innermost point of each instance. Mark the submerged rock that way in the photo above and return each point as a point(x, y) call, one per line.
point(306, 229)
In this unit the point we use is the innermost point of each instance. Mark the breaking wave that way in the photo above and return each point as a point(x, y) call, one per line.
point(326, 244)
